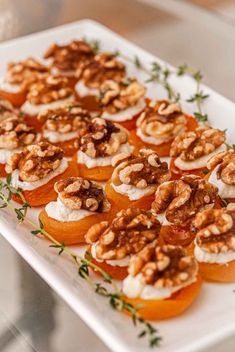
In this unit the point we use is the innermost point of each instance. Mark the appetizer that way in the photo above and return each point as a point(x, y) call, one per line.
point(112, 245)
point(19, 76)
point(80, 204)
point(98, 143)
point(123, 101)
point(103, 67)
point(158, 125)
point(136, 178)
point(61, 125)
point(222, 174)
point(14, 135)
point(163, 279)
point(69, 60)
point(215, 244)
point(50, 92)
point(190, 151)
point(36, 169)
point(176, 204)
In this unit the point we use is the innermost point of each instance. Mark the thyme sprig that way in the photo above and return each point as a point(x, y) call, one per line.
point(83, 265)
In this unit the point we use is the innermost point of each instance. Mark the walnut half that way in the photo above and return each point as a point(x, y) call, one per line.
point(226, 166)
point(101, 138)
point(195, 144)
point(128, 233)
point(215, 230)
point(77, 193)
point(36, 161)
point(164, 267)
point(182, 199)
point(141, 171)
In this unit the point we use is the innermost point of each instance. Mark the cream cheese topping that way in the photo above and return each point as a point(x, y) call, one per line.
point(127, 114)
point(33, 109)
point(82, 90)
point(200, 162)
point(58, 211)
point(132, 192)
point(225, 191)
point(55, 137)
point(83, 158)
point(6, 153)
point(151, 139)
point(219, 258)
point(115, 262)
point(28, 186)
point(8, 87)
point(135, 287)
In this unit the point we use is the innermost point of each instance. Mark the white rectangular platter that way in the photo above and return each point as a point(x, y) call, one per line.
point(212, 316)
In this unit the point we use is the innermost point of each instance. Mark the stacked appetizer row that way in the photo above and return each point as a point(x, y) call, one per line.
point(81, 139)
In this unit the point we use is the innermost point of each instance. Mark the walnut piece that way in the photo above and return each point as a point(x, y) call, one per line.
point(195, 144)
point(49, 89)
point(182, 199)
point(6, 110)
point(215, 230)
point(68, 118)
point(164, 267)
point(78, 193)
point(128, 233)
point(226, 169)
point(14, 133)
point(162, 119)
point(73, 56)
point(25, 72)
point(140, 171)
point(118, 96)
point(36, 161)
point(101, 138)
point(103, 67)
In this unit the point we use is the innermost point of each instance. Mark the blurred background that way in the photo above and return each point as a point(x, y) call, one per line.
point(200, 33)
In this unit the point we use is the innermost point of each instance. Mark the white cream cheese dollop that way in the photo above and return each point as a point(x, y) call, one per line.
point(57, 210)
point(55, 137)
point(28, 186)
point(132, 192)
point(126, 114)
point(8, 87)
point(35, 109)
point(225, 191)
point(151, 139)
point(200, 162)
point(135, 287)
point(115, 262)
point(205, 257)
point(83, 91)
point(83, 158)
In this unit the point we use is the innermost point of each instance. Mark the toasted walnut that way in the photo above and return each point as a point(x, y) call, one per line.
point(216, 230)
point(117, 96)
point(226, 166)
point(6, 110)
point(78, 193)
point(104, 66)
point(128, 233)
point(25, 72)
point(101, 138)
point(162, 119)
point(36, 161)
point(194, 144)
point(49, 89)
point(72, 56)
point(141, 171)
point(164, 267)
point(14, 133)
point(68, 118)
point(182, 199)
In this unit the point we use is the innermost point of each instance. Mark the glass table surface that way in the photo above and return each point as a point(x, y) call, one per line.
point(32, 316)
